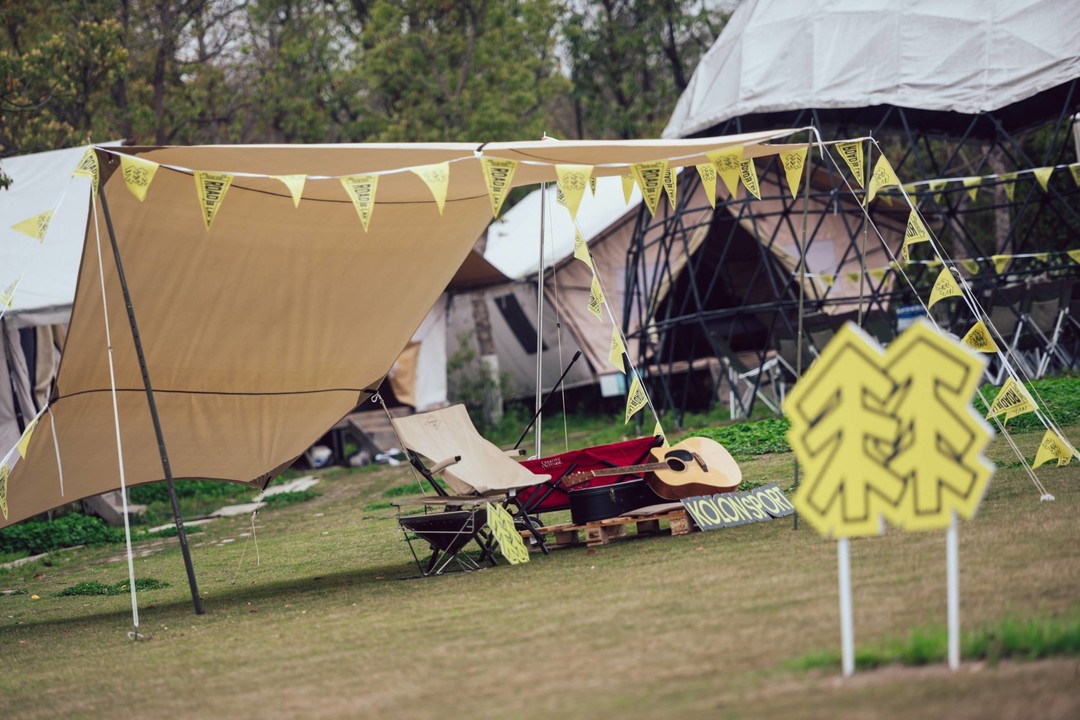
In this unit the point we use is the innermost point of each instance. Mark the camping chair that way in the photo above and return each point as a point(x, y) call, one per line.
point(1045, 321)
point(447, 535)
point(1008, 306)
point(473, 468)
point(745, 384)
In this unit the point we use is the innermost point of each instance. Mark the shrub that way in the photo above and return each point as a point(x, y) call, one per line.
point(36, 537)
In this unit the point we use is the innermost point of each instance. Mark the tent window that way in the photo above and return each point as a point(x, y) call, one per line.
point(519, 324)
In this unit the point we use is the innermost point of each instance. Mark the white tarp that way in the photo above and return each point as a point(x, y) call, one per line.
point(965, 56)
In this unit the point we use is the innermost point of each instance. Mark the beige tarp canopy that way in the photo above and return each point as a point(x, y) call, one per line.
point(264, 330)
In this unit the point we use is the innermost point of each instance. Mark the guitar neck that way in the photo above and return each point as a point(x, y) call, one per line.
point(628, 470)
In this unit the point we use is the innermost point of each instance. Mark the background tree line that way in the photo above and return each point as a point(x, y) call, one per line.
point(258, 71)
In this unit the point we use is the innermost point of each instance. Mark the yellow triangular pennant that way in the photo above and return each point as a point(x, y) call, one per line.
point(658, 431)
point(748, 173)
point(35, 227)
point(671, 182)
point(707, 172)
point(877, 273)
point(793, 162)
point(497, 176)
point(7, 298)
point(627, 186)
point(1074, 170)
point(560, 196)
point(915, 232)
point(592, 185)
point(853, 277)
point(295, 185)
point(24, 441)
point(4, 472)
point(1043, 257)
point(828, 278)
point(1012, 400)
point(978, 338)
point(437, 178)
point(1043, 176)
point(615, 355)
point(596, 299)
point(572, 181)
point(211, 188)
point(972, 184)
point(728, 163)
point(1009, 182)
point(1000, 261)
point(1074, 255)
point(138, 174)
point(936, 186)
point(88, 167)
point(972, 266)
point(852, 153)
point(636, 399)
point(581, 248)
point(945, 286)
point(1052, 447)
point(361, 188)
point(883, 177)
point(650, 179)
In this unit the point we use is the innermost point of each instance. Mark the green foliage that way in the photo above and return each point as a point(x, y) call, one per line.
point(36, 537)
point(280, 500)
point(159, 491)
point(471, 382)
point(93, 587)
point(747, 439)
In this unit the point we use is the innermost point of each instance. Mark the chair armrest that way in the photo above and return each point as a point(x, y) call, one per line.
point(440, 466)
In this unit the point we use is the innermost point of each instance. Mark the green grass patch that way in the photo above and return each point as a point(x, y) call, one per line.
point(171, 531)
point(36, 536)
point(93, 587)
point(749, 439)
point(281, 500)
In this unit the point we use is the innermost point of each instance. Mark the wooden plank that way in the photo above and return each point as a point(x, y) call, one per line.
point(602, 532)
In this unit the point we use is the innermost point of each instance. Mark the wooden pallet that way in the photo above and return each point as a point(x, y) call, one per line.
point(606, 531)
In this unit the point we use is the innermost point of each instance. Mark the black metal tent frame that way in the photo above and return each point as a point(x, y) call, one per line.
point(736, 302)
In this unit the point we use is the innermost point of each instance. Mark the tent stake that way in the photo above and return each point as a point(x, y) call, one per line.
point(177, 517)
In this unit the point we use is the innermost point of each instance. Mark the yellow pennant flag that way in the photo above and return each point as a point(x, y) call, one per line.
point(88, 167)
point(936, 187)
point(7, 298)
point(915, 232)
point(635, 399)
point(671, 182)
point(592, 185)
point(596, 299)
point(650, 179)
point(1074, 170)
point(24, 441)
point(4, 472)
point(852, 153)
point(1052, 447)
point(1074, 255)
point(35, 227)
point(437, 178)
point(877, 273)
point(211, 188)
point(658, 431)
point(617, 350)
point(978, 338)
point(707, 172)
point(793, 162)
point(945, 286)
point(883, 177)
point(1009, 181)
point(853, 277)
point(728, 163)
point(497, 177)
point(295, 185)
point(560, 196)
point(1043, 257)
point(972, 266)
point(1000, 261)
point(1043, 176)
point(138, 174)
point(581, 248)
point(627, 186)
point(972, 184)
point(828, 278)
point(572, 181)
point(361, 188)
point(1012, 400)
point(748, 173)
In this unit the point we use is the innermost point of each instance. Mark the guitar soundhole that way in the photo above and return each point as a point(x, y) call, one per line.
point(677, 459)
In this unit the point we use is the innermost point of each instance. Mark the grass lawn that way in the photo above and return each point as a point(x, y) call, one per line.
point(315, 621)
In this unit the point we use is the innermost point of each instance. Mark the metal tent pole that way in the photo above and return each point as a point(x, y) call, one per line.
point(177, 517)
point(540, 321)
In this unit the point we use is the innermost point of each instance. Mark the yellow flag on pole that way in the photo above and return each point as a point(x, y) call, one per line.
point(1009, 182)
point(581, 248)
point(1000, 261)
point(615, 355)
point(650, 179)
point(793, 162)
point(437, 178)
point(1052, 447)
point(1043, 176)
point(1012, 400)
point(627, 186)
point(728, 162)
point(572, 181)
point(7, 298)
point(295, 185)
point(636, 399)
point(497, 177)
point(88, 167)
point(211, 188)
point(915, 232)
point(748, 173)
point(972, 184)
point(35, 227)
point(138, 174)
point(1043, 257)
point(828, 278)
point(978, 338)
point(707, 172)
point(852, 153)
point(671, 182)
point(24, 440)
point(361, 189)
point(596, 299)
point(945, 286)
point(883, 177)
point(971, 265)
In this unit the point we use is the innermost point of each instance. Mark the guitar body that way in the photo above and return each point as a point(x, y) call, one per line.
point(695, 466)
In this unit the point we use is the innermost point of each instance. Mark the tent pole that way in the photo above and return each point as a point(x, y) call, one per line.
point(177, 517)
point(540, 321)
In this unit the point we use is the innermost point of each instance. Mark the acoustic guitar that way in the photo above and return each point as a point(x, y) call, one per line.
point(695, 466)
